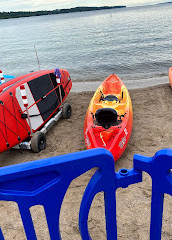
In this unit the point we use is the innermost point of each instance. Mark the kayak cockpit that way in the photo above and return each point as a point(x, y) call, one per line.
point(106, 117)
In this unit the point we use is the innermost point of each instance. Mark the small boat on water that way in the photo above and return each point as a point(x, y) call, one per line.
point(109, 118)
point(170, 75)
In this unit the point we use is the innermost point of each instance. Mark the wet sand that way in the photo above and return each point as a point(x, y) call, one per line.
point(152, 131)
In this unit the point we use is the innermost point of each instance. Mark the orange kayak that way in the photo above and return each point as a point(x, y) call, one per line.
point(109, 118)
point(170, 75)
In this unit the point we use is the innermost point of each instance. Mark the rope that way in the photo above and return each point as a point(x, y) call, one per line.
point(51, 108)
point(15, 116)
point(3, 135)
point(104, 144)
point(16, 103)
point(9, 129)
point(4, 121)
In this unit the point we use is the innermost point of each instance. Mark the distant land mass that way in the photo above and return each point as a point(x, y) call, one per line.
point(6, 15)
point(165, 3)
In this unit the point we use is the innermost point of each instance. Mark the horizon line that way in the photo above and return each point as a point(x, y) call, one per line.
point(125, 6)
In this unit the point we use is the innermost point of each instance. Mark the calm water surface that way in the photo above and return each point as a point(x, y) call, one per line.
point(134, 43)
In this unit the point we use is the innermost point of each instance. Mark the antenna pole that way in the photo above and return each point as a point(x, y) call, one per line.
point(37, 58)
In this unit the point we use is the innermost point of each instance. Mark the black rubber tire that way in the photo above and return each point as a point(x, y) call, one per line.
point(66, 111)
point(38, 142)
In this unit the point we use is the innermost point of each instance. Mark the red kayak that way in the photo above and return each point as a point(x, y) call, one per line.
point(109, 118)
point(170, 75)
point(44, 96)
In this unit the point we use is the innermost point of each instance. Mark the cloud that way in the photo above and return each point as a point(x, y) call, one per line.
point(45, 3)
point(140, 2)
point(33, 5)
point(14, 5)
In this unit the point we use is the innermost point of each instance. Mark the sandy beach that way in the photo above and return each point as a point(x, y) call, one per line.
point(152, 131)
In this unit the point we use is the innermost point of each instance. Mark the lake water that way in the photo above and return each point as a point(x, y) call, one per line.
point(134, 43)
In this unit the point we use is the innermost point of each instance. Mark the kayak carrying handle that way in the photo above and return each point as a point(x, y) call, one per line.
point(102, 96)
point(120, 116)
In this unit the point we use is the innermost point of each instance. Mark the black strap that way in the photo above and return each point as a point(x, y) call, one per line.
point(24, 115)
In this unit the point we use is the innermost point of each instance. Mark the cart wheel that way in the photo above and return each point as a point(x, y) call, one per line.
point(66, 111)
point(38, 142)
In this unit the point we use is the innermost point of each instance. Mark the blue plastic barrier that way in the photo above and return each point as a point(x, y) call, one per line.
point(45, 182)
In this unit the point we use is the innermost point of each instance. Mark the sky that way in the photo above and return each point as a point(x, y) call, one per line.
point(34, 5)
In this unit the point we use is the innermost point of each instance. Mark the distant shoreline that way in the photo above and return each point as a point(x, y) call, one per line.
point(7, 15)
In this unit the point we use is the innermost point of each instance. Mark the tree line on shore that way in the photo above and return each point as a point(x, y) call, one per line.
point(6, 15)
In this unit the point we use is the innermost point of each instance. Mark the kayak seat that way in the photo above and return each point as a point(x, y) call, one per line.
point(106, 117)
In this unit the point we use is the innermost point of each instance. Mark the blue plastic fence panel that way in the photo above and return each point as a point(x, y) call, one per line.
point(158, 167)
point(45, 182)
